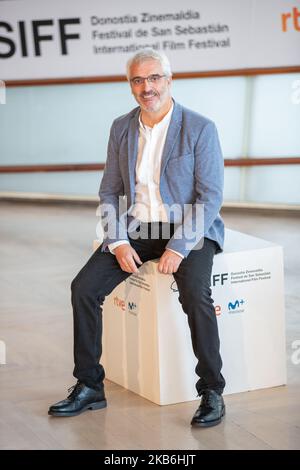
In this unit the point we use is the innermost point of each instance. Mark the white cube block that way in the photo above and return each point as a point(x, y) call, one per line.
point(146, 338)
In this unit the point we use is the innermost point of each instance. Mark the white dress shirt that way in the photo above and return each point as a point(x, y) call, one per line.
point(148, 206)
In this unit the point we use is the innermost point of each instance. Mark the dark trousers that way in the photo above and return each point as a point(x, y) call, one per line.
point(102, 273)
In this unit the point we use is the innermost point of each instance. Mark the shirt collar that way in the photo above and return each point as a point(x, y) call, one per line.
point(165, 120)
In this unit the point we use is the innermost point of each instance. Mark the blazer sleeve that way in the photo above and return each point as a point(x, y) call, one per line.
point(111, 194)
point(209, 182)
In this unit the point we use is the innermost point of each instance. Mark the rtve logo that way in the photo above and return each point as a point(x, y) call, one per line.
point(39, 31)
point(120, 303)
point(290, 20)
point(218, 310)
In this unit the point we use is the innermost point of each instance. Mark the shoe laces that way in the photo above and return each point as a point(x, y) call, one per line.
point(74, 390)
point(207, 400)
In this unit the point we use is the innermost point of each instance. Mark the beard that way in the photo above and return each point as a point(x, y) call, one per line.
point(153, 105)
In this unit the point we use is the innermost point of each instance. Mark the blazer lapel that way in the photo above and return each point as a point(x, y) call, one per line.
point(173, 131)
point(133, 136)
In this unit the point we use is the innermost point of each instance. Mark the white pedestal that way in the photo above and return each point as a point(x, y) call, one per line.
point(146, 341)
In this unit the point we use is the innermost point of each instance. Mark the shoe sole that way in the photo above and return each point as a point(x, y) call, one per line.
point(92, 406)
point(208, 424)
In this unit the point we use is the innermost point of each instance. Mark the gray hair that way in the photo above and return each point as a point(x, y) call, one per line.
point(147, 54)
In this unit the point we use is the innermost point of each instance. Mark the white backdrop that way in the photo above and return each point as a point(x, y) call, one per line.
point(76, 38)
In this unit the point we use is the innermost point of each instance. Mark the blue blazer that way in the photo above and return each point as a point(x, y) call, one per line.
point(192, 172)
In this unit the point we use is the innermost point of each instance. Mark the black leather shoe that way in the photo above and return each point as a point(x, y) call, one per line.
point(81, 398)
point(210, 411)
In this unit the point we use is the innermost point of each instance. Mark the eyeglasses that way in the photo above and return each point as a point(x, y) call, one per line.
point(152, 79)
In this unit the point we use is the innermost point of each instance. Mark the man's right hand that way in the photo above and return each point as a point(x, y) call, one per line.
point(127, 256)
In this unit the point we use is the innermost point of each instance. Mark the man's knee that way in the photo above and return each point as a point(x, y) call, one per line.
point(80, 286)
point(74, 285)
point(87, 287)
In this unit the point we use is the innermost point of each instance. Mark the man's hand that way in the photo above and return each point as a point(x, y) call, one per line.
point(169, 262)
point(126, 256)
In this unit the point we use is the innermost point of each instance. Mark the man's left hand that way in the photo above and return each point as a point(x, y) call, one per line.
point(169, 262)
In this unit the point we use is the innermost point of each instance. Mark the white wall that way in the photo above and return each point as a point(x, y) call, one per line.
point(255, 116)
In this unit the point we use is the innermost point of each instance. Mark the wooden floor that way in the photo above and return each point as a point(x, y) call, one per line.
point(42, 247)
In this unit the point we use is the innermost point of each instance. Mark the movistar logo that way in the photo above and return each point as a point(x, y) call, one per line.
point(132, 305)
point(236, 304)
